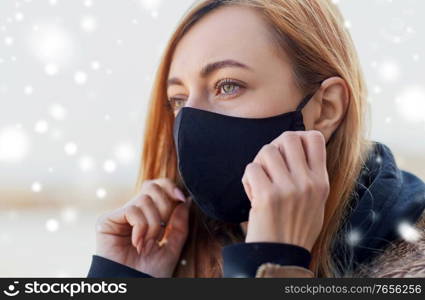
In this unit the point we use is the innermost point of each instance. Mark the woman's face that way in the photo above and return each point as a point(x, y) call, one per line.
point(228, 64)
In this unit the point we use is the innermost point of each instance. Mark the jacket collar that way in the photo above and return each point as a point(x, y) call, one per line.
point(384, 198)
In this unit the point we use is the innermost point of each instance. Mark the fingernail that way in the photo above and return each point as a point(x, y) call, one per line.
point(179, 195)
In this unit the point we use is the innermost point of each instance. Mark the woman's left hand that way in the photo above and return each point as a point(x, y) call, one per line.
point(288, 185)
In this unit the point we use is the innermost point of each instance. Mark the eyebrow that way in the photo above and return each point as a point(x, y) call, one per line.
point(210, 68)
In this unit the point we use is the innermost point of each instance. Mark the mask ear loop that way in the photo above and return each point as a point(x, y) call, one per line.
point(304, 102)
point(306, 99)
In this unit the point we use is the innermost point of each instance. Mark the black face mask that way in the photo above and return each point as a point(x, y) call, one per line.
point(213, 151)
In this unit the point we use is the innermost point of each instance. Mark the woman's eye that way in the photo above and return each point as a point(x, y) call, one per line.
point(225, 88)
point(228, 87)
point(176, 103)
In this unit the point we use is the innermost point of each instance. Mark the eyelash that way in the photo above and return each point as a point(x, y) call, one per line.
point(218, 85)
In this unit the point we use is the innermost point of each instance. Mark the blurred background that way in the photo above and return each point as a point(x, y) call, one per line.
point(75, 76)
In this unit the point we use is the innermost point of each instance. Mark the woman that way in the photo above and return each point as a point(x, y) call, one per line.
point(257, 116)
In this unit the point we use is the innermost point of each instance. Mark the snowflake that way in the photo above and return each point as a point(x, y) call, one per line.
point(71, 148)
point(51, 69)
point(52, 44)
point(109, 166)
point(95, 65)
point(353, 237)
point(101, 193)
point(88, 24)
point(62, 274)
point(125, 153)
point(14, 144)
point(69, 214)
point(19, 16)
point(36, 187)
point(411, 103)
point(86, 163)
point(52, 225)
point(28, 90)
point(8, 41)
point(389, 71)
point(58, 112)
point(408, 232)
point(80, 77)
point(151, 6)
point(41, 126)
point(88, 3)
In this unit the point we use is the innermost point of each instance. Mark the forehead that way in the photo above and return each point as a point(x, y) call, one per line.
point(230, 32)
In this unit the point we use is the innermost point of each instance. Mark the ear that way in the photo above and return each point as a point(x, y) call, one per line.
point(333, 98)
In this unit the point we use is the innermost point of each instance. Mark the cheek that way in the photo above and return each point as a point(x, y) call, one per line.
point(253, 103)
point(265, 102)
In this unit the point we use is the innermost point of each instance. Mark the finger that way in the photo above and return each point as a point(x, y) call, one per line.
point(271, 160)
point(136, 216)
point(279, 146)
point(177, 228)
point(114, 223)
point(315, 147)
point(257, 179)
point(141, 199)
point(171, 189)
point(247, 187)
point(163, 201)
point(294, 152)
point(153, 218)
point(133, 216)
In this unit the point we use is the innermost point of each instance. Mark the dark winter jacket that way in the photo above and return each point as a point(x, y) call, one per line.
point(383, 236)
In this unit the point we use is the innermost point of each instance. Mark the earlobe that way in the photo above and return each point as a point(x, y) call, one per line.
point(334, 104)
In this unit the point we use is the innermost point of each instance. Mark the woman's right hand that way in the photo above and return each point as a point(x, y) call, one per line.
point(130, 234)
